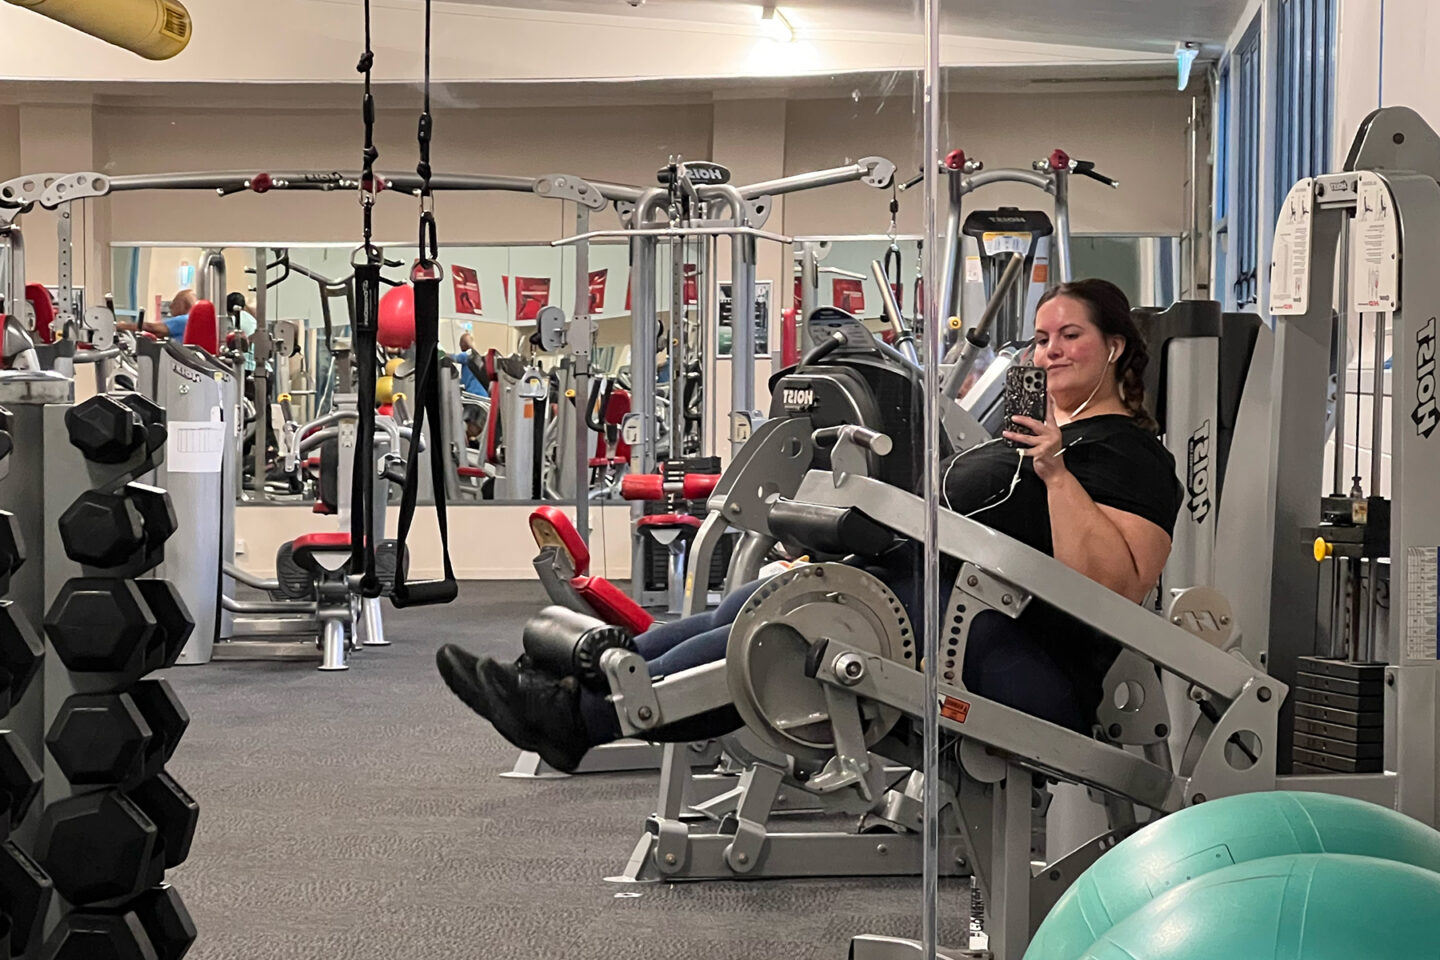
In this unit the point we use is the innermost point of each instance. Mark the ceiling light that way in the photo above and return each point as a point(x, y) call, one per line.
point(777, 26)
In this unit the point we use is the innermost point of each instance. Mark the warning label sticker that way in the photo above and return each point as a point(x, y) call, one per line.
point(953, 708)
point(1421, 621)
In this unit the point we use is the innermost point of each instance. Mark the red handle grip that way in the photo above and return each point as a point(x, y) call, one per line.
point(698, 486)
point(642, 486)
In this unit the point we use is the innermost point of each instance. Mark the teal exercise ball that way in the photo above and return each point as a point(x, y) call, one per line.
point(1214, 835)
point(1307, 906)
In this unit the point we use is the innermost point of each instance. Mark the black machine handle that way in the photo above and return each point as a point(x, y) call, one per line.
point(824, 348)
point(1086, 168)
point(595, 418)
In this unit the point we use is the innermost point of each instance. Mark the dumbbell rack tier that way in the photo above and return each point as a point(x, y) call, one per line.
point(81, 871)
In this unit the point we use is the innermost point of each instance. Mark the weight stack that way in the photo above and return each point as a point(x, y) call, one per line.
point(1339, 717)
point(82, 870)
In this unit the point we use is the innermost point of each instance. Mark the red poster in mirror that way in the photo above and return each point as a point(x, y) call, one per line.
point(597, 290)
point(467, 290)
point(690, 290)
point(531, 294)
point(849, 295)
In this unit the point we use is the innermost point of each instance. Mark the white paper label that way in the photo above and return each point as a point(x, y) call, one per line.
point(1290, 253)
point(1421, 621)
point(195, 446)
point(1374, 247)
point(1007, 243)
point(973, 273)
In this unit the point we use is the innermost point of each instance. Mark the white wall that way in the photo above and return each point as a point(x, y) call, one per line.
point(487, 542)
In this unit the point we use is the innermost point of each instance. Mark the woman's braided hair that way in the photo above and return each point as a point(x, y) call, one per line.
point(1110, 311)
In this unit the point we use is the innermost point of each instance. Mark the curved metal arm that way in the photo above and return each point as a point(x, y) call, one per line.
point(977, 337)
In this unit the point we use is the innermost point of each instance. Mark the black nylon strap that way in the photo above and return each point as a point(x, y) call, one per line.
point(362, 479)
point(427, 405)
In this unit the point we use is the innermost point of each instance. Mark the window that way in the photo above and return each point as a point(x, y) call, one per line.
point(1244, 219)
point(1304, 91)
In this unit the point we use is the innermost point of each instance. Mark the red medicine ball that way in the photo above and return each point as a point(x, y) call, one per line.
point(397, 318)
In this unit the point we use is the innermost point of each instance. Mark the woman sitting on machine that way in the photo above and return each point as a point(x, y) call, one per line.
point(1090, 485)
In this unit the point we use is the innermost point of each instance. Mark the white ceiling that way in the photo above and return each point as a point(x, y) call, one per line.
point(1141, 25)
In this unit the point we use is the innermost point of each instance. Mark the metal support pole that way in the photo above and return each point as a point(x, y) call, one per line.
point(742, 353)
point(675, 349)
point(951, 283)
point(705, 282)
point(1062, 225)
point(64, 282)
point(809, 284)
point(1342, 333)
point(582, 342)
point(261, 377)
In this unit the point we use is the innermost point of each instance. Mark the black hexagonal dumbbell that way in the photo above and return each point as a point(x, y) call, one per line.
point(102, 529)
point(12, 545)
point(172, 619)
point(156, 509)
point(174, 813)
point(105, 430)
point(166, 921)
point(99, 738)
point(99, 936)
point(167, 718)
point(20, 653)
point(20, 779)
point(25, 892)
point(152, 415)
point(96, 847)
point(98, 624)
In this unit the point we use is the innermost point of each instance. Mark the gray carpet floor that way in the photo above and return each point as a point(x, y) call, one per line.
point(361, 815)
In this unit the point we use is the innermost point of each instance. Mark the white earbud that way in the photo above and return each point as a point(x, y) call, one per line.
point(1111, 358)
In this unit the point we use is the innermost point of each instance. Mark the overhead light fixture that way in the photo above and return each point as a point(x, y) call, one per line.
point(777, 25)
point(1185, 54)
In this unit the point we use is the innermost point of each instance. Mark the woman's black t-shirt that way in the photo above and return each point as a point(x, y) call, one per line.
point(1119, 464)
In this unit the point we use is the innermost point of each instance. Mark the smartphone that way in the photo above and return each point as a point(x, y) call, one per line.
point(1025, 387)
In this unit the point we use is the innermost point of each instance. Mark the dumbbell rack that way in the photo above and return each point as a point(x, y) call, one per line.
point(95, 821)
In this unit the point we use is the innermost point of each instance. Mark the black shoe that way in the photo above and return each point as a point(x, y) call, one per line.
point(535, 711)
point(532, 710)
point(457, 668)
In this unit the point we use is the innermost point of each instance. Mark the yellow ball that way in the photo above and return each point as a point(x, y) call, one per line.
point(384, 389)
point(392, 365)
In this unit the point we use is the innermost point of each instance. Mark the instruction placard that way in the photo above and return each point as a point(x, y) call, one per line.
point(1290, 253)
point(1374, 247)
point(1422, 625)
point(195, 446)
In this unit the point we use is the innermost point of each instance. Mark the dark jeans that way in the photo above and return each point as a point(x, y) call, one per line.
point(1004, 662)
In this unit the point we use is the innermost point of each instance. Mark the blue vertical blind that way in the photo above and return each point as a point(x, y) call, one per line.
point(1245, 103)
point(1304, 91)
